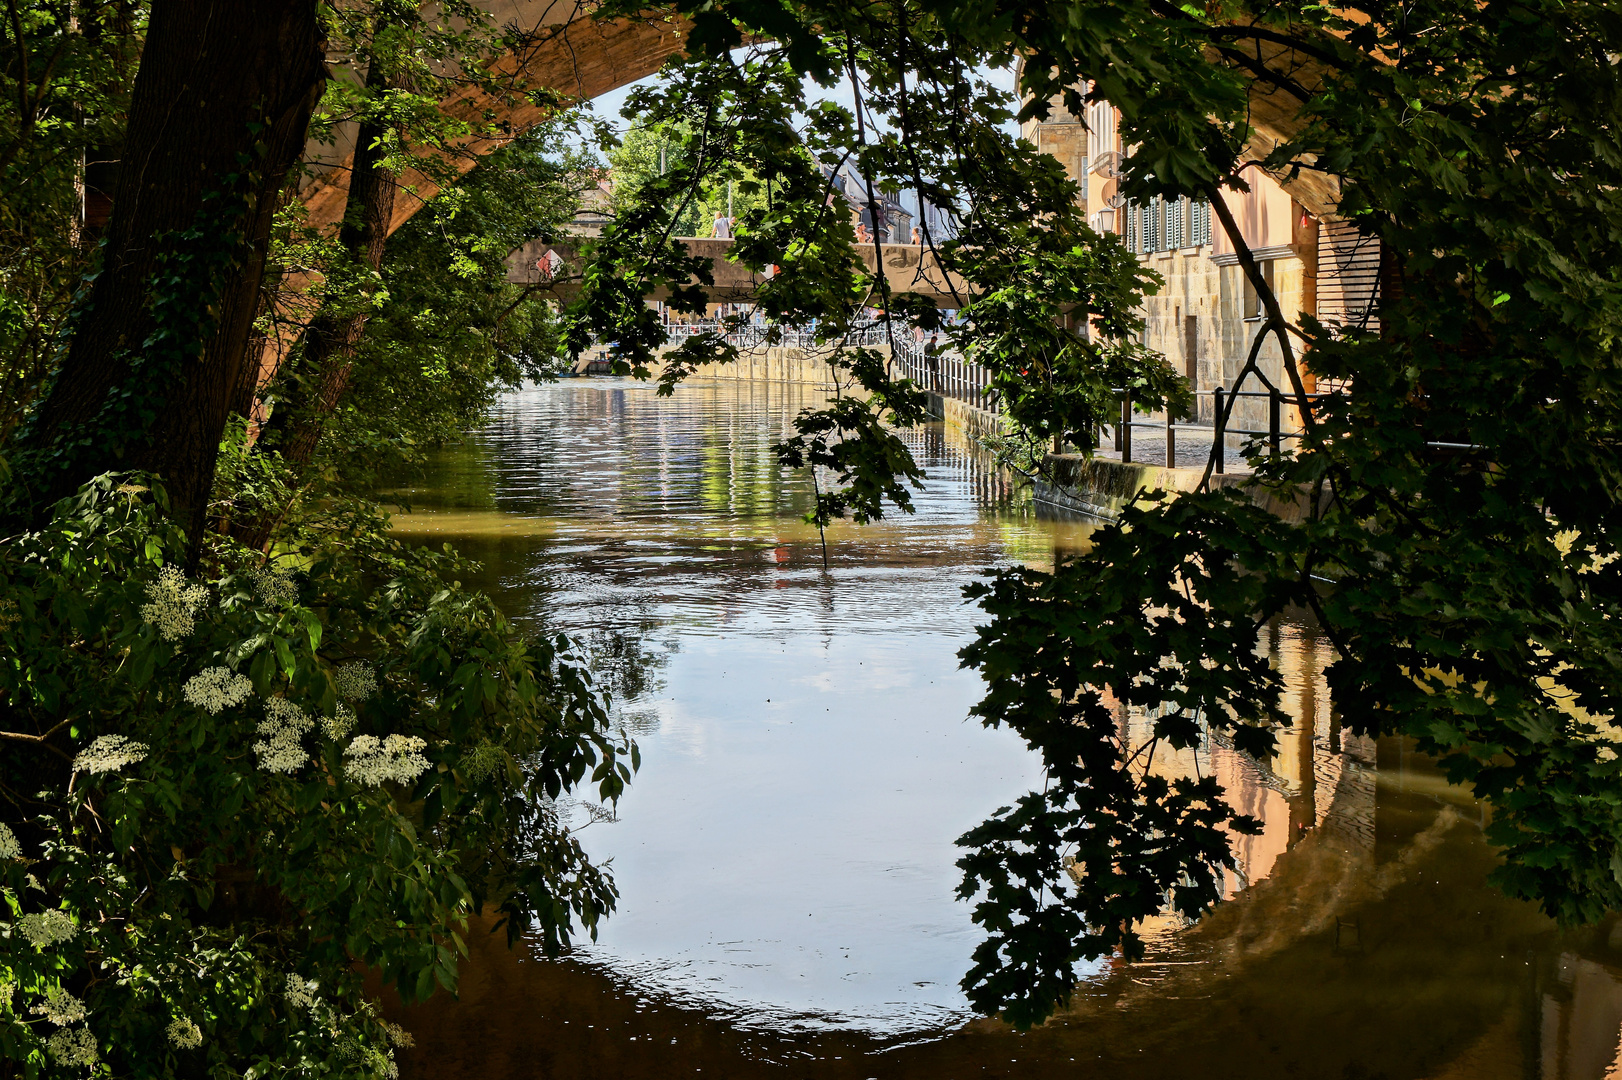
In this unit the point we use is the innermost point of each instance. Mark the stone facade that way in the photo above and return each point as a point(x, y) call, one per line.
point(1205, 317)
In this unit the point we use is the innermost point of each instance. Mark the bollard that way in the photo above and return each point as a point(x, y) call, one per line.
point(1171, 440)
point(1219, 431)
point(1126, 427)
point(1274, 400)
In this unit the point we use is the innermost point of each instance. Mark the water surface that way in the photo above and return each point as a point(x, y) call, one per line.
point(785, 856)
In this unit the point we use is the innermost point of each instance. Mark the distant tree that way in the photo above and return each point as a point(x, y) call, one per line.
point(643, 154)
point(451, 332)
point(69, 82)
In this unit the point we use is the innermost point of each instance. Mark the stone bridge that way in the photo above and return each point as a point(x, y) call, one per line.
point(566, 50)
point(907, 269)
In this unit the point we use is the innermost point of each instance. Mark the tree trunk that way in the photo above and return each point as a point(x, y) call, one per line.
point(308, 399)
point(329, 345)
point(217, 119)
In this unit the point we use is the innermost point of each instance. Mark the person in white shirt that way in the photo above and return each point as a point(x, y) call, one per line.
point(722, 228)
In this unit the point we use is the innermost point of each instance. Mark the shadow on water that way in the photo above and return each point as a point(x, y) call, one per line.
point(785, 856)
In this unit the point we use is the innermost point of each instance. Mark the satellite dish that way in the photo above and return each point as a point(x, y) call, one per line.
point(1108, 164)
point(1116, 201)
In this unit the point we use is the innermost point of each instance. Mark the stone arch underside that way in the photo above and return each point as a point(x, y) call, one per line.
point(566, 50)
point(569, 51)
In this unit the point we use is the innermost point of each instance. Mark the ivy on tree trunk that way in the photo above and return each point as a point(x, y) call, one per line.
point(217, 119)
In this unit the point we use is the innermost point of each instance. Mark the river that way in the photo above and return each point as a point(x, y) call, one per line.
point(785, 855)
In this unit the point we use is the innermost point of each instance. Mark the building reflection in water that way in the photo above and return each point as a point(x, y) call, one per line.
point(1346, 822)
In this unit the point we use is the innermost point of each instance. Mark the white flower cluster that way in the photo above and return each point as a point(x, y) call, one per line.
point(9, 847)
point(61, 1008)
point(75, 1046)
point(355, 681)
point(398, 758)
point(340, 723)
point(283, 725)
point(172, 605)
point(398, 1035)
point(275, 590)
point(109, 753)
point(379, 1061)
point(47, 927)
point(184, 1034)
point(216, 688)
point(300, 991)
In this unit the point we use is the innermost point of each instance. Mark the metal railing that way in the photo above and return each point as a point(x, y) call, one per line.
point(946, 374)
point(1273, 433)
point(756, 335)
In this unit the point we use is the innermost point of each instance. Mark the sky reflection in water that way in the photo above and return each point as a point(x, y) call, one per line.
point(785, 855)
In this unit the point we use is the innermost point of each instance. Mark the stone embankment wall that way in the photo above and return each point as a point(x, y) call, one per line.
point(798, 367)
point(972, 421)
point(779, 364)
point(1100, 488)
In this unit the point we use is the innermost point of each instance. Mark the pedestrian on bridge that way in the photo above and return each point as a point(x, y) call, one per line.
point(722, 228)
point(932, 360)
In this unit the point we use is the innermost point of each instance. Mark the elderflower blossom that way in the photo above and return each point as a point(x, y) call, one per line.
point(61, 1008)
point(300, 991)
point(355, 681)
point(398, 1035)
point(109, 753)
point(340, 723)
point(172, 606)
point(73, 1046)
point(184, 1034)
point(398, 758)
point(275, 590)
point(216, 688)
point(351, 1050)
point(47, 927)
point(9, 847)
point(284, 723)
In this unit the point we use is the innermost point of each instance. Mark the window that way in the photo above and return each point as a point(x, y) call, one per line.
point(1201, 222)
point(1159, 225)
point(1177, 224)
point(1253, 299)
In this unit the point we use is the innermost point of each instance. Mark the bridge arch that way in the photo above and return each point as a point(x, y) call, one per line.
point(571, 52)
